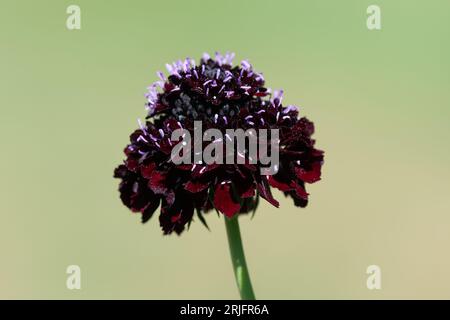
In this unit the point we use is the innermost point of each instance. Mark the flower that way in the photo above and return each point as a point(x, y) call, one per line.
point(221, 96)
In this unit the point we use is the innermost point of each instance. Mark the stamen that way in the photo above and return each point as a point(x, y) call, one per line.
point(245, 65)
point(141, 138)
point(169, 68)
point(141, 125)
point(219, 58)
point(229, 93)
point(277, 97)
point(289, 109)
point(260, 77)
point(161, 76)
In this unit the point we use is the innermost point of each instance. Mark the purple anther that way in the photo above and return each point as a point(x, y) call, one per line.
point(277, 97)
point(161, 76)
point(141, 138)
point(245, 65)
point(290, 108)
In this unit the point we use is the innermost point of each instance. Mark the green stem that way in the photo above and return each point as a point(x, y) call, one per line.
point(238, 259)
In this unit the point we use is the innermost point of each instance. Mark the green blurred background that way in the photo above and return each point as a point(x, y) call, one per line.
point(379, 99)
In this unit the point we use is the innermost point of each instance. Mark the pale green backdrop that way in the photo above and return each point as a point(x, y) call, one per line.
point(379, 99)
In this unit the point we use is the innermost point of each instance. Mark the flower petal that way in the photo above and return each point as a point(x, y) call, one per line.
point(279, 185)
point(157, 183)
point(223, 201)
point(147, 170)
point(150, 209)
point(300, 191)
point(309, 176)
point(264, 191)
point(195, 186)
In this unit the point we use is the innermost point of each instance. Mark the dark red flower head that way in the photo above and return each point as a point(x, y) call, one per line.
point(221, 96)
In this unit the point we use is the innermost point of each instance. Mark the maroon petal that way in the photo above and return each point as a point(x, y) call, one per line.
point(309, 176)
point(150, 209)
point(147, 170)
point(300, 191)
point(200, 170)
point(184, 167)
point(120, 172)
point(157, 183)
point(174, 218)
point(195, 187)
point(250, 192)
point(132, 164)
point(223, 200)
point(279, 185)
point(245, 186)
point(264, 191)
point(138, 201)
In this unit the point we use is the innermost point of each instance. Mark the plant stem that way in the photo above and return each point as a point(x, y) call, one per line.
point(238, 258)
